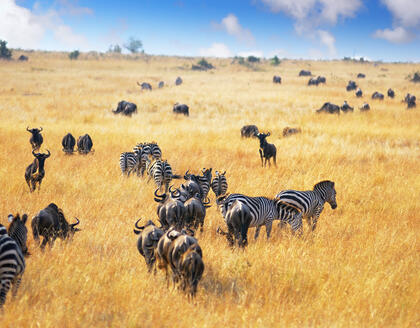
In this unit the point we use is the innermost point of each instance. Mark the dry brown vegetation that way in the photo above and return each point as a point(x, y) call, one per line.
point(361, 266)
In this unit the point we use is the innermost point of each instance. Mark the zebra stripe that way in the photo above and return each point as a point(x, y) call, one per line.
point(129, 163)
point(311, 202)
point(150, 149)
point(18, 231)
point(155, 151)
point(219, 184)
point(161, 172)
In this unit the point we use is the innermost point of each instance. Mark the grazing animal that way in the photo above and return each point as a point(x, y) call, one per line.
point(203, 181)
point(351, 86)
point(12, 262)
point(410, 100)
point(365, 107)
point(36, 138)
point(23, 58)
point(311, 202)
point(266, 150)
point(276, 79)
point(190, 268)
point(249, 131)
point(161, 84)
point(150, 149)
point(171, 211)
point(147, 242)
point(35, 171)
point(313, 81)
point(377, 95)
point(391, 93)
point(51, 224)
point(305, 73)
point(195, 212)
point(181, 109)
point(219, 184)
point(318, 80)
point(190, 187)
point(178, 81)
point(129, 163)
point(287, 131)
point(68, 143)
point(346, 107)
point(162, 250)
point(161, 172)
point(361, 76)
point(329, 108)
point(145, 86)
point(84, 144)
point(359, 93)
point(263, 211)
point(126, 108)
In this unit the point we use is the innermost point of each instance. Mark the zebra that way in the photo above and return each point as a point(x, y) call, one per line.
point(161, 172)
point(219, 184)
point(204, 181)
point(151, 149)
point(12, 262)
point(129, 163)
point(263, 211)
point(311, 202)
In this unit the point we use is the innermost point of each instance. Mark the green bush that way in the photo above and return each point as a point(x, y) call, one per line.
point(5, 53)
point(253, 59)
point(275, 61)
point(74, 54)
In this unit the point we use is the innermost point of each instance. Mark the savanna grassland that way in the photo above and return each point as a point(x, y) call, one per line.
point(359, 269)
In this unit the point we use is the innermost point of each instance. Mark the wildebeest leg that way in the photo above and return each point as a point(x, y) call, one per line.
point(28, 182)
point(261, 155)
point(39, 185)
point(44, 242)
point(33, 185)
point(274, 160)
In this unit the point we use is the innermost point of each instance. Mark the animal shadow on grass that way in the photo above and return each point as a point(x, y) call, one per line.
point(212, 283)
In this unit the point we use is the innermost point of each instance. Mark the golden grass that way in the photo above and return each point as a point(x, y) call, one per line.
point(359, 269)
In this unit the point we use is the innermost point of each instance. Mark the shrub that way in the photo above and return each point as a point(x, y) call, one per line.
point(74, 54)
point(253, 59)
point(5, 53)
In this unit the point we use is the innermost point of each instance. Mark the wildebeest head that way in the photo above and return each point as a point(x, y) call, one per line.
point(262, 137)
point(40, 156)
point(139, 229)
point(18, 231)
point(34, 131)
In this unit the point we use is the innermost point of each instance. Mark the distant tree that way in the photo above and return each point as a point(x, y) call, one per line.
point(275, 61)
point(346, 58)
point(133, 45)
point(253, 59)
point(115, 48)
point(74, 54)
point(205, 64)
point(5, 53)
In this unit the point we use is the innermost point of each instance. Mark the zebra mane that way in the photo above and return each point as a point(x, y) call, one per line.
point(325, 184)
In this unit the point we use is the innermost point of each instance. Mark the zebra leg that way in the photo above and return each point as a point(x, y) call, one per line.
point(268, 227)
point(314, 222)
point(296, 224)
point(16, 284)
point(257, 232)
point(5, 286)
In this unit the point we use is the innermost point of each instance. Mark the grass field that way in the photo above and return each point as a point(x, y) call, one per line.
point(359, 269)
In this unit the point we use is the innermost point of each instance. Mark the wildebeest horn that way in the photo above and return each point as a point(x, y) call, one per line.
point(224, 173)
point(75, 224)
point(220, 231)
point(186, 174)
point(174, 193)
point(137, 226)
point(49, 154)
point(159, 196)
point(40, 129)
point(138, 83)
point(33, 153)
point(206, 202)
point(27, 128)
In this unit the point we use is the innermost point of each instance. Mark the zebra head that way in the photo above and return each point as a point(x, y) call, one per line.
point(18, 231)
point(327, 191)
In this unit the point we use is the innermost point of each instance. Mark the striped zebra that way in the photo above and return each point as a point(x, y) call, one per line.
point(219, 184)
point(129, 163)
point(311, 202)
point(12, 262)
point(151, 149)
point(161, 172)
point(204, 181)
point(263, 211)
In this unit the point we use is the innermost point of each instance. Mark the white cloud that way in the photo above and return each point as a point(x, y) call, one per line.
point(255, 53)
point(216, 50)
point(231, 25)
point(70, 40)
point(405, 12)
point(328, 40)
point(396, 35)
point(71, 7)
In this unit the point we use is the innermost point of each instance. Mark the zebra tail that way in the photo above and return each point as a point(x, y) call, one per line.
point(176, 176)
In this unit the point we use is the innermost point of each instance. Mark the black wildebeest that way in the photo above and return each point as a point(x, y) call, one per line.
point(126, 108)
point(161, 84)
point(365, 107)
point(329, 108)
point(359, 93)
point(377, 95)
point(351, 86)
point(23, 58)
point(346, 107)
point(181, 109)
point(305, 73)
point(266, 150)
point(287, 131)
point(68, 143)
point(391, 93)
point(195, 212)
point(171, 211)
point(361, 76)
point(35, 171)
point(145, 86)
point(50, 223)
point(178, 81)
point(249, 131)
point(410, 100)
point(84, 144)
point(36, 138)
point(191, 268)
point(316, 81)
point(147, 242)
point(276, 79)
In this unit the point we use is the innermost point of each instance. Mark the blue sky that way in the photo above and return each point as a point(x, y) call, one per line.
point(315, 29)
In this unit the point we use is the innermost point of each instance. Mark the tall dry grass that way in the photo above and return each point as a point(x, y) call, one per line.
point(361, 266)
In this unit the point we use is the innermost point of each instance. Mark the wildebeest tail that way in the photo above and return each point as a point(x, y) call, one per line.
point(35, 231)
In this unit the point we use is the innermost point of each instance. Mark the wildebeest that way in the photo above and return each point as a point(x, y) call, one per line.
point(51, 224)
point(359, 93)
point(276, 79)
point(287, 131)
point(191, 268)
point(161, 84)
point(249, 131)
point(351, 86)
point(195, 212)
point(126, 108)
point(410, 100)
point(305, 73)
point(181, 109)
point(171, 211)
point(190, 187)
point(361, 76)
point(145, 86)
point(36, 138)
point(391, 93)
point(147, 242)
point(23, 58)
point(84, 144)
point(266, 150)
point(68, 143)
point(178, 81)
point(329, 108)
point(162, 249)
point(313, 81)
point(35, 171)
point(377, 95)
point(346, 107)
point(365, 107)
